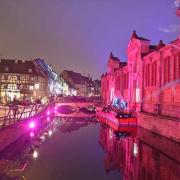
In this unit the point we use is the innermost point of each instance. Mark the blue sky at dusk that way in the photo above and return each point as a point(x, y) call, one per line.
point(80, 34)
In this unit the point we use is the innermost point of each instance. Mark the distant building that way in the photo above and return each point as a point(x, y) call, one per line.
point(56, 84)
point(97, 87)
point(83, 85)
point(21, 79)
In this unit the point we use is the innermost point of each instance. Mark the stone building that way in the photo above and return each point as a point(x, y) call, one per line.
point(150, 80)
point(149, 84)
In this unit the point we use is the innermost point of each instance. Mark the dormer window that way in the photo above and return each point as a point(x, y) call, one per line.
point(6, 69)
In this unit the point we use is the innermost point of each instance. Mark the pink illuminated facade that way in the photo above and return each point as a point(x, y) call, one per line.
point(149, 81)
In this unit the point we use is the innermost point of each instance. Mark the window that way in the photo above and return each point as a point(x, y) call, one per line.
point(167, 69)
point(127, 83)
point(154, 74)
point(30, 70)
point(147, 75)
point(6, 69)
point(177, 66)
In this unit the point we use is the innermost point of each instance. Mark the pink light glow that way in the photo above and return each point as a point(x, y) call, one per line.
point(48, 119)
point(32, 125)
point(31, 134)
point(48, 112)
point(55, 108)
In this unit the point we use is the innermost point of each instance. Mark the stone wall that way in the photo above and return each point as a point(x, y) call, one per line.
point(168, 127)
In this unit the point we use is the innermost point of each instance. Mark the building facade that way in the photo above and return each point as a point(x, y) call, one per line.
point(82, 85)
point(150, 82)
point(56, 84)
point(21, 79)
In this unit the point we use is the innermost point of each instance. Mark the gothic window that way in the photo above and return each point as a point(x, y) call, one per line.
point(154, 74)
point(167, 70)
point(177, 66)
point(127, 84)
point(147, 75)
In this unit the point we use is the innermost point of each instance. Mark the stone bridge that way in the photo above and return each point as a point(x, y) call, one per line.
point(75, 109)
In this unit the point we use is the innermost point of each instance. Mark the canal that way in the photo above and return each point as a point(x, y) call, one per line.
point(80, 148)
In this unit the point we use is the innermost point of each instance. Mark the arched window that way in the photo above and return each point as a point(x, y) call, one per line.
point(154, 73)
point(167, 69)
point(177, 66)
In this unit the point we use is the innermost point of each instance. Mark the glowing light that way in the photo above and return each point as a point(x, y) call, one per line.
point(110, 133)
point(135, 149)
point(50, 133)
point(31, 87)
point(137, 95)
point(36, 86)
point(35, 154)
point(42, 138)
point(48, 119)
point(32, 134)
point(48, 112)
point(55, 108)
point(119, 103)
point(32, 125)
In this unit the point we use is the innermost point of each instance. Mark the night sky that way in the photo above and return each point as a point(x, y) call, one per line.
point(80, 34)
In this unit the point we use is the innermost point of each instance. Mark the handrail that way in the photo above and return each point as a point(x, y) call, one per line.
point(17, 113)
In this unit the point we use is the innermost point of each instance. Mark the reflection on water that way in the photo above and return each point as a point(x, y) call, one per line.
point(144, 157)
point(80, 148)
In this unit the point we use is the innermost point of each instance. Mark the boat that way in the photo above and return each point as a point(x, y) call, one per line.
point(118, 121)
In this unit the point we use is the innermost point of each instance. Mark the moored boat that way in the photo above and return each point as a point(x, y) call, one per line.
point(119, 121)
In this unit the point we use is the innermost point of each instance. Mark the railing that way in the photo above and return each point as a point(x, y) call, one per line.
point(12, 114)
point(78, 99)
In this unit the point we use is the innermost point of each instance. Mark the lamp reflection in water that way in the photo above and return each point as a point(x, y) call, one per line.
point(32, 134)
point(35, 154)
point(48, 112)
point(32, 125)
point(50, 133)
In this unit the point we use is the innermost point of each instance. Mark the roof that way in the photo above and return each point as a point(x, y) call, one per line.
point(142, 38)
point(122, 64)
point(45, 68)
point(114, 58)
point(19, 67)
point(75, 78)
point(134, 35)
point(153, 48)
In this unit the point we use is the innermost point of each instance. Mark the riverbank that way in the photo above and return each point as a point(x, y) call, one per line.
point(165, 126)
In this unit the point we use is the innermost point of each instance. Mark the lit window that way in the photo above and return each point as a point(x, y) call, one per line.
point(30, 70)
point(31, 87)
